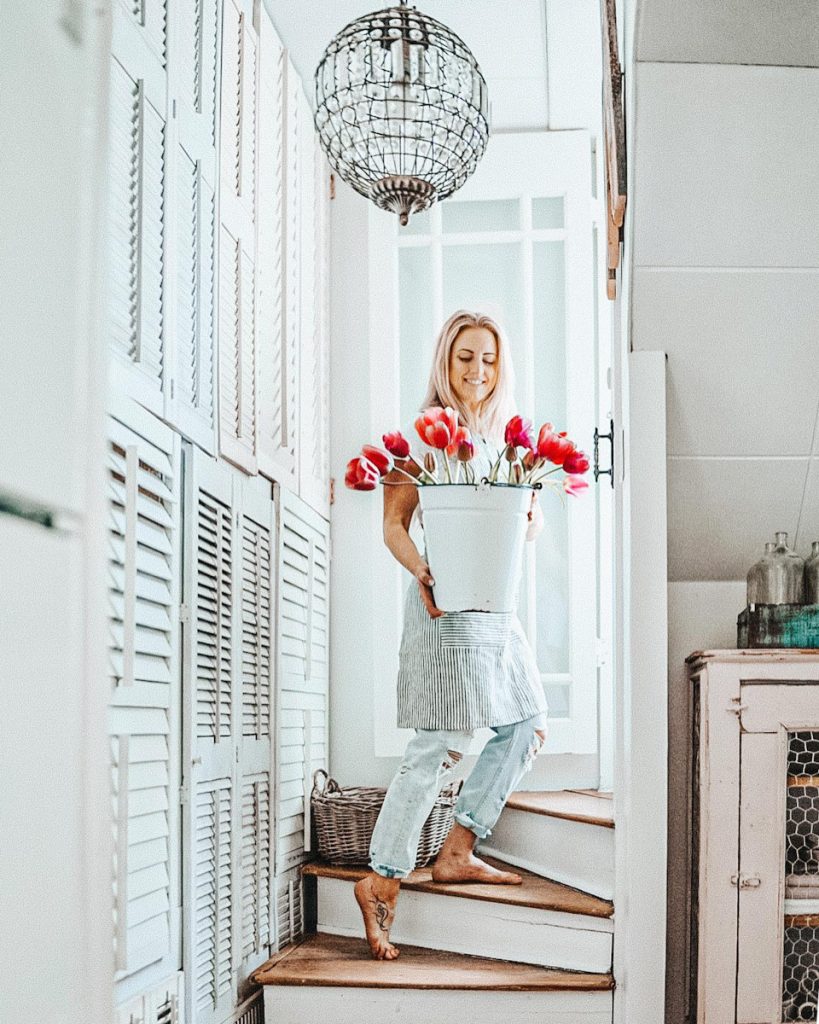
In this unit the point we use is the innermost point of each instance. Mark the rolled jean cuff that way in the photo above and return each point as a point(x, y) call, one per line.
point(388, 871)
point(466, 819)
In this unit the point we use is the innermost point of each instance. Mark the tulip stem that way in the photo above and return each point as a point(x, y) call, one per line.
point(446, 464)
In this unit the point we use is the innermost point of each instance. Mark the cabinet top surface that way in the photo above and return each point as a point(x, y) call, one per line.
point(759, 654)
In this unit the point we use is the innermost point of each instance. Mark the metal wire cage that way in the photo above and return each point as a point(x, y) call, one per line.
point(401, 109)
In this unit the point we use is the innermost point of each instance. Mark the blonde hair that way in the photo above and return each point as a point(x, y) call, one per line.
point(498, 407)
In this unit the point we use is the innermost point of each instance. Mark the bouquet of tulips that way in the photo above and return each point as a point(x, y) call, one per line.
point(523, 461)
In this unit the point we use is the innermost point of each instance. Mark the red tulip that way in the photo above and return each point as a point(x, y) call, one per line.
point(519, 432)
point(552, 446)
point(378, 457)
point(396, 444)
point(574, 484)
point(576, 462)
point(361, 475)
point(437, 427)
point(466, 451)
point(462, 436)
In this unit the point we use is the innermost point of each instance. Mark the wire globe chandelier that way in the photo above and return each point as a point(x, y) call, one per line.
point(401, 109)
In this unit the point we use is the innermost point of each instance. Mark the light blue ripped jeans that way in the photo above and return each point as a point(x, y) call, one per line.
point(430, 754)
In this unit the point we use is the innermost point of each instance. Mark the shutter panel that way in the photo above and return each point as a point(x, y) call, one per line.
point(143, 482)
point(278, 378)
point(230, 530)
point(292, 241)
point(238, 426)
point(138, 184)
point(303, 610)
point(192, 83)
point(257, 551)
point(314, 462)
point(209, 667)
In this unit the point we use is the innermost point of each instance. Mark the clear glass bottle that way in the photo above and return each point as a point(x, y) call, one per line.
point(758, 581)
point(812, 575)
point(787, 575)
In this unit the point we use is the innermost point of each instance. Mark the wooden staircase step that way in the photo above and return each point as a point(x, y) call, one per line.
point(337, 960)
point(572, 805)
point(535, 890)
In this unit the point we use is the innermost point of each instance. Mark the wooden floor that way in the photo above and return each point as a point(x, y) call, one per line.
point(337, 960)
point(585, 805)
point(535, 891)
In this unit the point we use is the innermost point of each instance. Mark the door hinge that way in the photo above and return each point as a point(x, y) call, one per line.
point(184, 614)
point(332, 185)
point(743, 881)
point(332, 489)
point(603, 651)
point(184, 793)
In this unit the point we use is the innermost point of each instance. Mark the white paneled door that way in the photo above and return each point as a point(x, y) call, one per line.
point(516, 242)
point(230, 529)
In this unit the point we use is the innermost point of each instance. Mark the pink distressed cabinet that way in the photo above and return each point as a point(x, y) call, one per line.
point(754, 840)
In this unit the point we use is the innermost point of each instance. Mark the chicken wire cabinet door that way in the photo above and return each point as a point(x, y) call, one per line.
point(278, 353)
point(302, 641)
point(144, 543)
point(192, 131)
point(138, 204)
point(230, 528)
point(238, 417)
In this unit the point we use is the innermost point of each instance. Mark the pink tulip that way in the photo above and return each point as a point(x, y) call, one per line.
point(466, 451)
point(574, 484)
point(361, 475)
point(396, 444)
point(519, 432)
point(437, 427)
point(552, 446)
point(576, 462)
point(378, 457)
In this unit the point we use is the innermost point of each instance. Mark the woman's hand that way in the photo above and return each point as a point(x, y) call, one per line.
point(535, 518)
point(425, 583)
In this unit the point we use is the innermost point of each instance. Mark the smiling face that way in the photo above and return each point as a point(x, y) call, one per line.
point(473, 365)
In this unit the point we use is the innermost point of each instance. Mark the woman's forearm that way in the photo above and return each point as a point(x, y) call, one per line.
point(401, 545)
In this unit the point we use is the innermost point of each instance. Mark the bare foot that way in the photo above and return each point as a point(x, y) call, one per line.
point(377, 897)
point(469, 868)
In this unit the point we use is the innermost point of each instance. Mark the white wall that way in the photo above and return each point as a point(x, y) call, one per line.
point(726, 282)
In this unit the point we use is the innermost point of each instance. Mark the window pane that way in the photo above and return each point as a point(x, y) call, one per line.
point(417, 331)
point(486, 215)
point(549, 304)
point(547, 213)
point(558, 698)
point(487, 279)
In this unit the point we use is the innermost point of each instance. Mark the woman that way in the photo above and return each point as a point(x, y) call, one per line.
point(458, 671)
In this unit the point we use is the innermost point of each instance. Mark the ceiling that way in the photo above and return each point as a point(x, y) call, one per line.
point(541, 58)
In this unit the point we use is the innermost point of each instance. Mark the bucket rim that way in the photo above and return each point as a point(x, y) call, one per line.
point(537, 486)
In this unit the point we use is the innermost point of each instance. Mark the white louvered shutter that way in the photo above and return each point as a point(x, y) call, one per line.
point(314, 404)
point(137, 204)
point(229, 556)
point(210, 684)
point(256, 554)
point(143, 482)
point(291, 229)
point(278, 377)
point(238, 417)
point(302, 641)
point(193, 84)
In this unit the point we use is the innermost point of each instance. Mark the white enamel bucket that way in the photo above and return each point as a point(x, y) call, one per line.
point(474, 536)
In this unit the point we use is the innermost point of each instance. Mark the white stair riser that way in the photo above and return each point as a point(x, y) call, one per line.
point(308, 1004)
point(481, 928)
point(573, 852)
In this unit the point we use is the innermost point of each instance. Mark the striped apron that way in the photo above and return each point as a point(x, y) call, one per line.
point(464, 670)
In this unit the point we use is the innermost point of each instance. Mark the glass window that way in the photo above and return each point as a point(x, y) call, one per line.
point(547, 213)
point(417, 331)
point(419, 224)
point(484, 215)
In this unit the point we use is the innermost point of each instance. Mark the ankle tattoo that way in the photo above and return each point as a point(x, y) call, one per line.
point(381, 913)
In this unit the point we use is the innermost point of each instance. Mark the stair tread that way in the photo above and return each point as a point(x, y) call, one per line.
point(338, 960)
point(534, 891)
point(574, 805)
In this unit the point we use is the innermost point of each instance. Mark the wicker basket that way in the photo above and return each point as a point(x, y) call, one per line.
point(344, 818)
